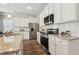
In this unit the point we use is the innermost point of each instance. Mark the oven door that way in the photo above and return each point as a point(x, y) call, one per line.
point(44, 42)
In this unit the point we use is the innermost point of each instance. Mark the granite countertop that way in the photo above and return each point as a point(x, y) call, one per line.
point(65, 37)
point(11, 46)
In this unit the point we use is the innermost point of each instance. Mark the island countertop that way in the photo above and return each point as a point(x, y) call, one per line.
point(11, 46)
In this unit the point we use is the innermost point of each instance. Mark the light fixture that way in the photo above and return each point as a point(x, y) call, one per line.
point(9, 16)
point(29, 7)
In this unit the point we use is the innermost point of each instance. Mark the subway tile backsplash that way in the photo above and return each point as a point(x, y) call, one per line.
point(73, 27)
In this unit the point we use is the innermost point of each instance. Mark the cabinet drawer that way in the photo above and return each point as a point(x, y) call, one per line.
point(51, 37)
point(61, 42)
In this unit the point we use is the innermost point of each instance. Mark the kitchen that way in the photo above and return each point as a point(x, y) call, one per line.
point(41, 28)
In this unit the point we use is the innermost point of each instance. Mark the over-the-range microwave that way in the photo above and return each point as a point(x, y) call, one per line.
point(49, 19)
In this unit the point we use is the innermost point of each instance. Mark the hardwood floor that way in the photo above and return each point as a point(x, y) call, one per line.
point(31, 47)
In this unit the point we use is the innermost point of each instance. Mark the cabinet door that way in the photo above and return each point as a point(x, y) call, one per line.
point(42, 19)
point(68, 12)
point(51, 45)
point(51, 38)
point(46, 12)
point(57, 12)
point(38, 37)
point(60, 50)
point(26, 35)
point(52, 48)
point(51, 8)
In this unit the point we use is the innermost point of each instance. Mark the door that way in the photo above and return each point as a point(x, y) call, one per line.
point(34, 28)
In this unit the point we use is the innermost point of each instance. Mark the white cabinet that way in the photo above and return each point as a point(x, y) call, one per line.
point(51, 38)
point(63, 45)
point(46, 10)
point(68, 12)
point(51, 44)
point(56, 46)
point(60, 50)
point(57, 12)
point(61, 42)
point(51, 8)
point(25, 35)
point(42, 19)
point(38, 37)
point(52, 48)
point(65, 12)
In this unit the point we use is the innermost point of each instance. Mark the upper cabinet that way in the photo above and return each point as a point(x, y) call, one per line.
point(68, 12)
point(63, 12)
point(42, 19)
point(46, 10)
point(57, 12)
point(51, 8)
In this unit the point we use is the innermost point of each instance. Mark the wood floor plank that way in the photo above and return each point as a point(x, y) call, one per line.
point(31, 47)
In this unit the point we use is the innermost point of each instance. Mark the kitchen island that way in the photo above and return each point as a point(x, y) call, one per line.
point(11, 44)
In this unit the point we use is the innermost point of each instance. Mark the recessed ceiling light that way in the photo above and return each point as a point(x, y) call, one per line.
point(29, 7)
point(9, 16)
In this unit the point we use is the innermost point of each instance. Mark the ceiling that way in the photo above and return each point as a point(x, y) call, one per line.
point(20, 8)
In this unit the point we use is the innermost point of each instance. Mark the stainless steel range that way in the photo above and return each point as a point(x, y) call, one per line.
point(44, 37)
point(44, 40)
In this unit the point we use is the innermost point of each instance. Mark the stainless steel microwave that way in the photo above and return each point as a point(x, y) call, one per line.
point(49, 19)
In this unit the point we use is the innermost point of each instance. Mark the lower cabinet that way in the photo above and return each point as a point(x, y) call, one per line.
point(56, 47)
point(52, 48)
point(38, 37)
point(25, 35)
point(63, 46)
point(60, 50)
